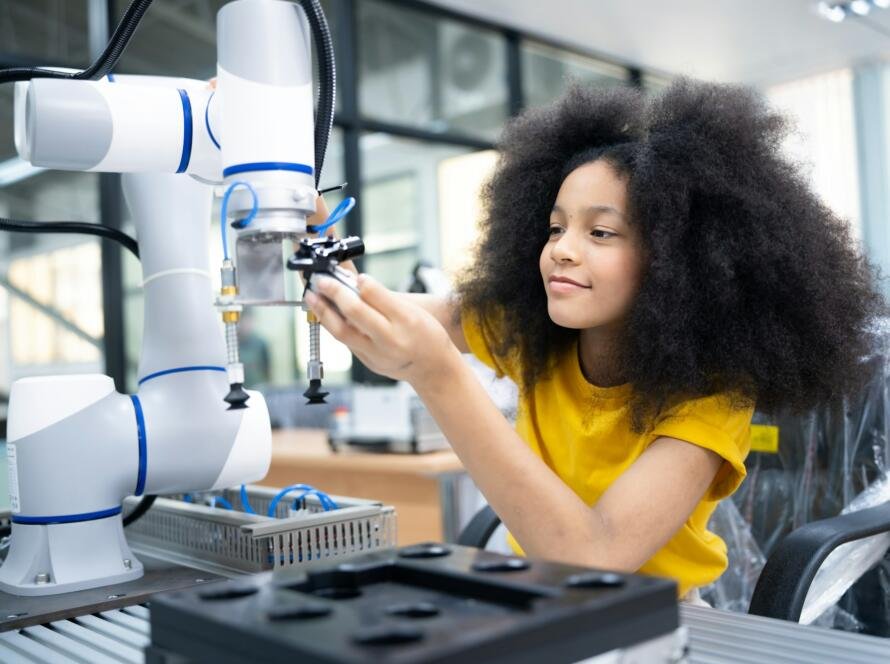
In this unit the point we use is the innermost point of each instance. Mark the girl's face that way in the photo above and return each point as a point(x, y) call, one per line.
point(592, 262)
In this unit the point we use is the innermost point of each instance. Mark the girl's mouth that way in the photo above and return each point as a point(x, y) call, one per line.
point(564, 285)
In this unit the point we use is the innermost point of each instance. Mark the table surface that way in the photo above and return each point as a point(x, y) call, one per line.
point(738, 638)
point(715, 637)
point(302, 446)
point(420, 486)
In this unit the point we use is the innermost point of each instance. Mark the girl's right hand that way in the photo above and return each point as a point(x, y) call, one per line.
point(441, 308)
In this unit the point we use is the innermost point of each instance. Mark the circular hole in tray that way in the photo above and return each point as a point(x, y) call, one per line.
point(501, 565)
point(595, 580)
point(337, 592)
point(299, 612)
point(415, 610)
point(227, 592)
point(387, 635)
point(428, 550)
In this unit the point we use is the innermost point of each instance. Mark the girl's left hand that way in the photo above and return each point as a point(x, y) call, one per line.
point(389, 335)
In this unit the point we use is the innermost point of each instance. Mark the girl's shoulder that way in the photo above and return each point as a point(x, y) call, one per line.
point(718, 422)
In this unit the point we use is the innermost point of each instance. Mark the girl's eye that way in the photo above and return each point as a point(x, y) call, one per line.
point(554, 230)
point(601, 234)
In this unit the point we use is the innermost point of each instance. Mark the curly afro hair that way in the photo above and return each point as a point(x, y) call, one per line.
point(751, 285)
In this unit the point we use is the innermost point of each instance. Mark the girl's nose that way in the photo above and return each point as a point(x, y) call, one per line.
point(564, 251)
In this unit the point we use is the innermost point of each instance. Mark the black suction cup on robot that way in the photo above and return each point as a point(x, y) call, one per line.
point(314, 392)
point(237, 397)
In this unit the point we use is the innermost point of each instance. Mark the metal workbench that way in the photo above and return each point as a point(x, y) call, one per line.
point(715, 637)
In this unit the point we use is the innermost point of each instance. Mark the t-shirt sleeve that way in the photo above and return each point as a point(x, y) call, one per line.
point(715, 424)
point(480, 333)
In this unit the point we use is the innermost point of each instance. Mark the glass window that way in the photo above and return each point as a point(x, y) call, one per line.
point(821, 109)
point(179, 39)
point(65, 281)
point(460, 205)
point(7, 143)
point(410, 191)
point(45, 32)
point(173, 39)
point(547, 72)
point(51, 309)
point(50, 285)
point(421, 70)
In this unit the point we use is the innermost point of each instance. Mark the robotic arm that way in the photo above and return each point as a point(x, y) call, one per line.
point(252, 135)
point(77, 447)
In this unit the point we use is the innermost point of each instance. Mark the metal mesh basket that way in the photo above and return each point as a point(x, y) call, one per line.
point(236, 540)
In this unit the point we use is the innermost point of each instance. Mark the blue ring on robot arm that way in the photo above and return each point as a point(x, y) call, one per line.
point(64, 518)
point(186, 131)
point(143, 446)
point(268, 166)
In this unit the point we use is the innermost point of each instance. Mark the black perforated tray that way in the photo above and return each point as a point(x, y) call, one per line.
point(412, 605)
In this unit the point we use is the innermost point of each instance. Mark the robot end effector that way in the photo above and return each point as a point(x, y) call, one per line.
point(314, 257)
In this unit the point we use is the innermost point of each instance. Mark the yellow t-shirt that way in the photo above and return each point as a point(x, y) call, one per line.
point(583, 433)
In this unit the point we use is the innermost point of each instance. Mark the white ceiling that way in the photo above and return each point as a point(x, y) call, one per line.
point(750, 41)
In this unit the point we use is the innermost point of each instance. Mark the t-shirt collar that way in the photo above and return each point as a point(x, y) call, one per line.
point(579, 382)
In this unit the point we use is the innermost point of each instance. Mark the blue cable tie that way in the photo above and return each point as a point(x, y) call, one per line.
point(281, 494)
point(224, 209)
point(299, 499)
point(323, 498)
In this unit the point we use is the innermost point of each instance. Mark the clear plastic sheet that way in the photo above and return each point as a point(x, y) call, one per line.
point(829, 461)
point(732, 592)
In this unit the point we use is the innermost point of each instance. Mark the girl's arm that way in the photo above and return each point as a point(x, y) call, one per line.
point(638, 514)
point(444, 310)
point(632, 520)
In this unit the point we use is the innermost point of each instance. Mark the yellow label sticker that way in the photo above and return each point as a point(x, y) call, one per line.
point(764, 438)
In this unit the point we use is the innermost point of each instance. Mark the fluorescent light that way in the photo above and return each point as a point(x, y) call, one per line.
point(882, 4)
point(860, 7)
point(833, 13)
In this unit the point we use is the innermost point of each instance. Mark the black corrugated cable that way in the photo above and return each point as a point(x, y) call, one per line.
point(327, 80)
point(103, 64)
point(74, 227)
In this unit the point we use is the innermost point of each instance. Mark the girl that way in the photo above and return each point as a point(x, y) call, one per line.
point(648, 270)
